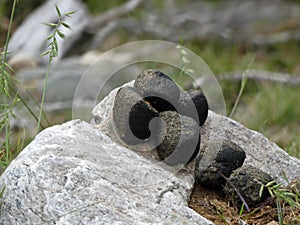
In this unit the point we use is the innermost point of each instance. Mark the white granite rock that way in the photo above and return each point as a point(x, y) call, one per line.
point(74, 174)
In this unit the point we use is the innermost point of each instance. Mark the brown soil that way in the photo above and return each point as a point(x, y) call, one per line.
point(214, 206)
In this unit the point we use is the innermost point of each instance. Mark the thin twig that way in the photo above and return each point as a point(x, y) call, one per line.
point(236, 190)
point(262, 75)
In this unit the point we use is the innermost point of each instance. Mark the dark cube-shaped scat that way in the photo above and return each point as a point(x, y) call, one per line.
point(132, 115)
point(181, 138)
point(193, 103)
point(248, 181)
point(158, 89)
point(154, 95)
point(218, 158)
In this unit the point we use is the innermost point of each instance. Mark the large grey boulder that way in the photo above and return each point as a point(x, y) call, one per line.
point(260, 151)
point(74, 174)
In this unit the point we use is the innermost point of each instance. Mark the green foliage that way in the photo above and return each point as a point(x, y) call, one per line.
point(7, 100)
point(52, 51)
point(267, 107)
point(1, 194)
point(184, 63)
point(53, 46)
point(96, 6)
point(273, 110)
point(243, 85)
point(20, 12)
point(220, 213)
point(282, 196)
point(23, 9)
point(226, 57)
point(221, 57)
point(213, 1)
point(291, 149)
point(242, 209)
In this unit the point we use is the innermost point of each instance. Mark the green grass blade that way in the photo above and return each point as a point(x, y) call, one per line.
point(242, 87)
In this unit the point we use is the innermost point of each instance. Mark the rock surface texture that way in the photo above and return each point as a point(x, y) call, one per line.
point(74, 174)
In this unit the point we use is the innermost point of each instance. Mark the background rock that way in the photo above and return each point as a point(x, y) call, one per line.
point(251, 22)
point(30, 37)
point(254, 22)
point(73, 172)
point(63, 80)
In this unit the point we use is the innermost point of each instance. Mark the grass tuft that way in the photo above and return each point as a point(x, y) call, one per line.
point(52, 52)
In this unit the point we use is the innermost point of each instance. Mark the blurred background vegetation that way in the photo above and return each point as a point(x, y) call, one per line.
point(271, 108)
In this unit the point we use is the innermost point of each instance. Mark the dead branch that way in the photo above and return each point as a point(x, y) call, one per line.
point(261, 75)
